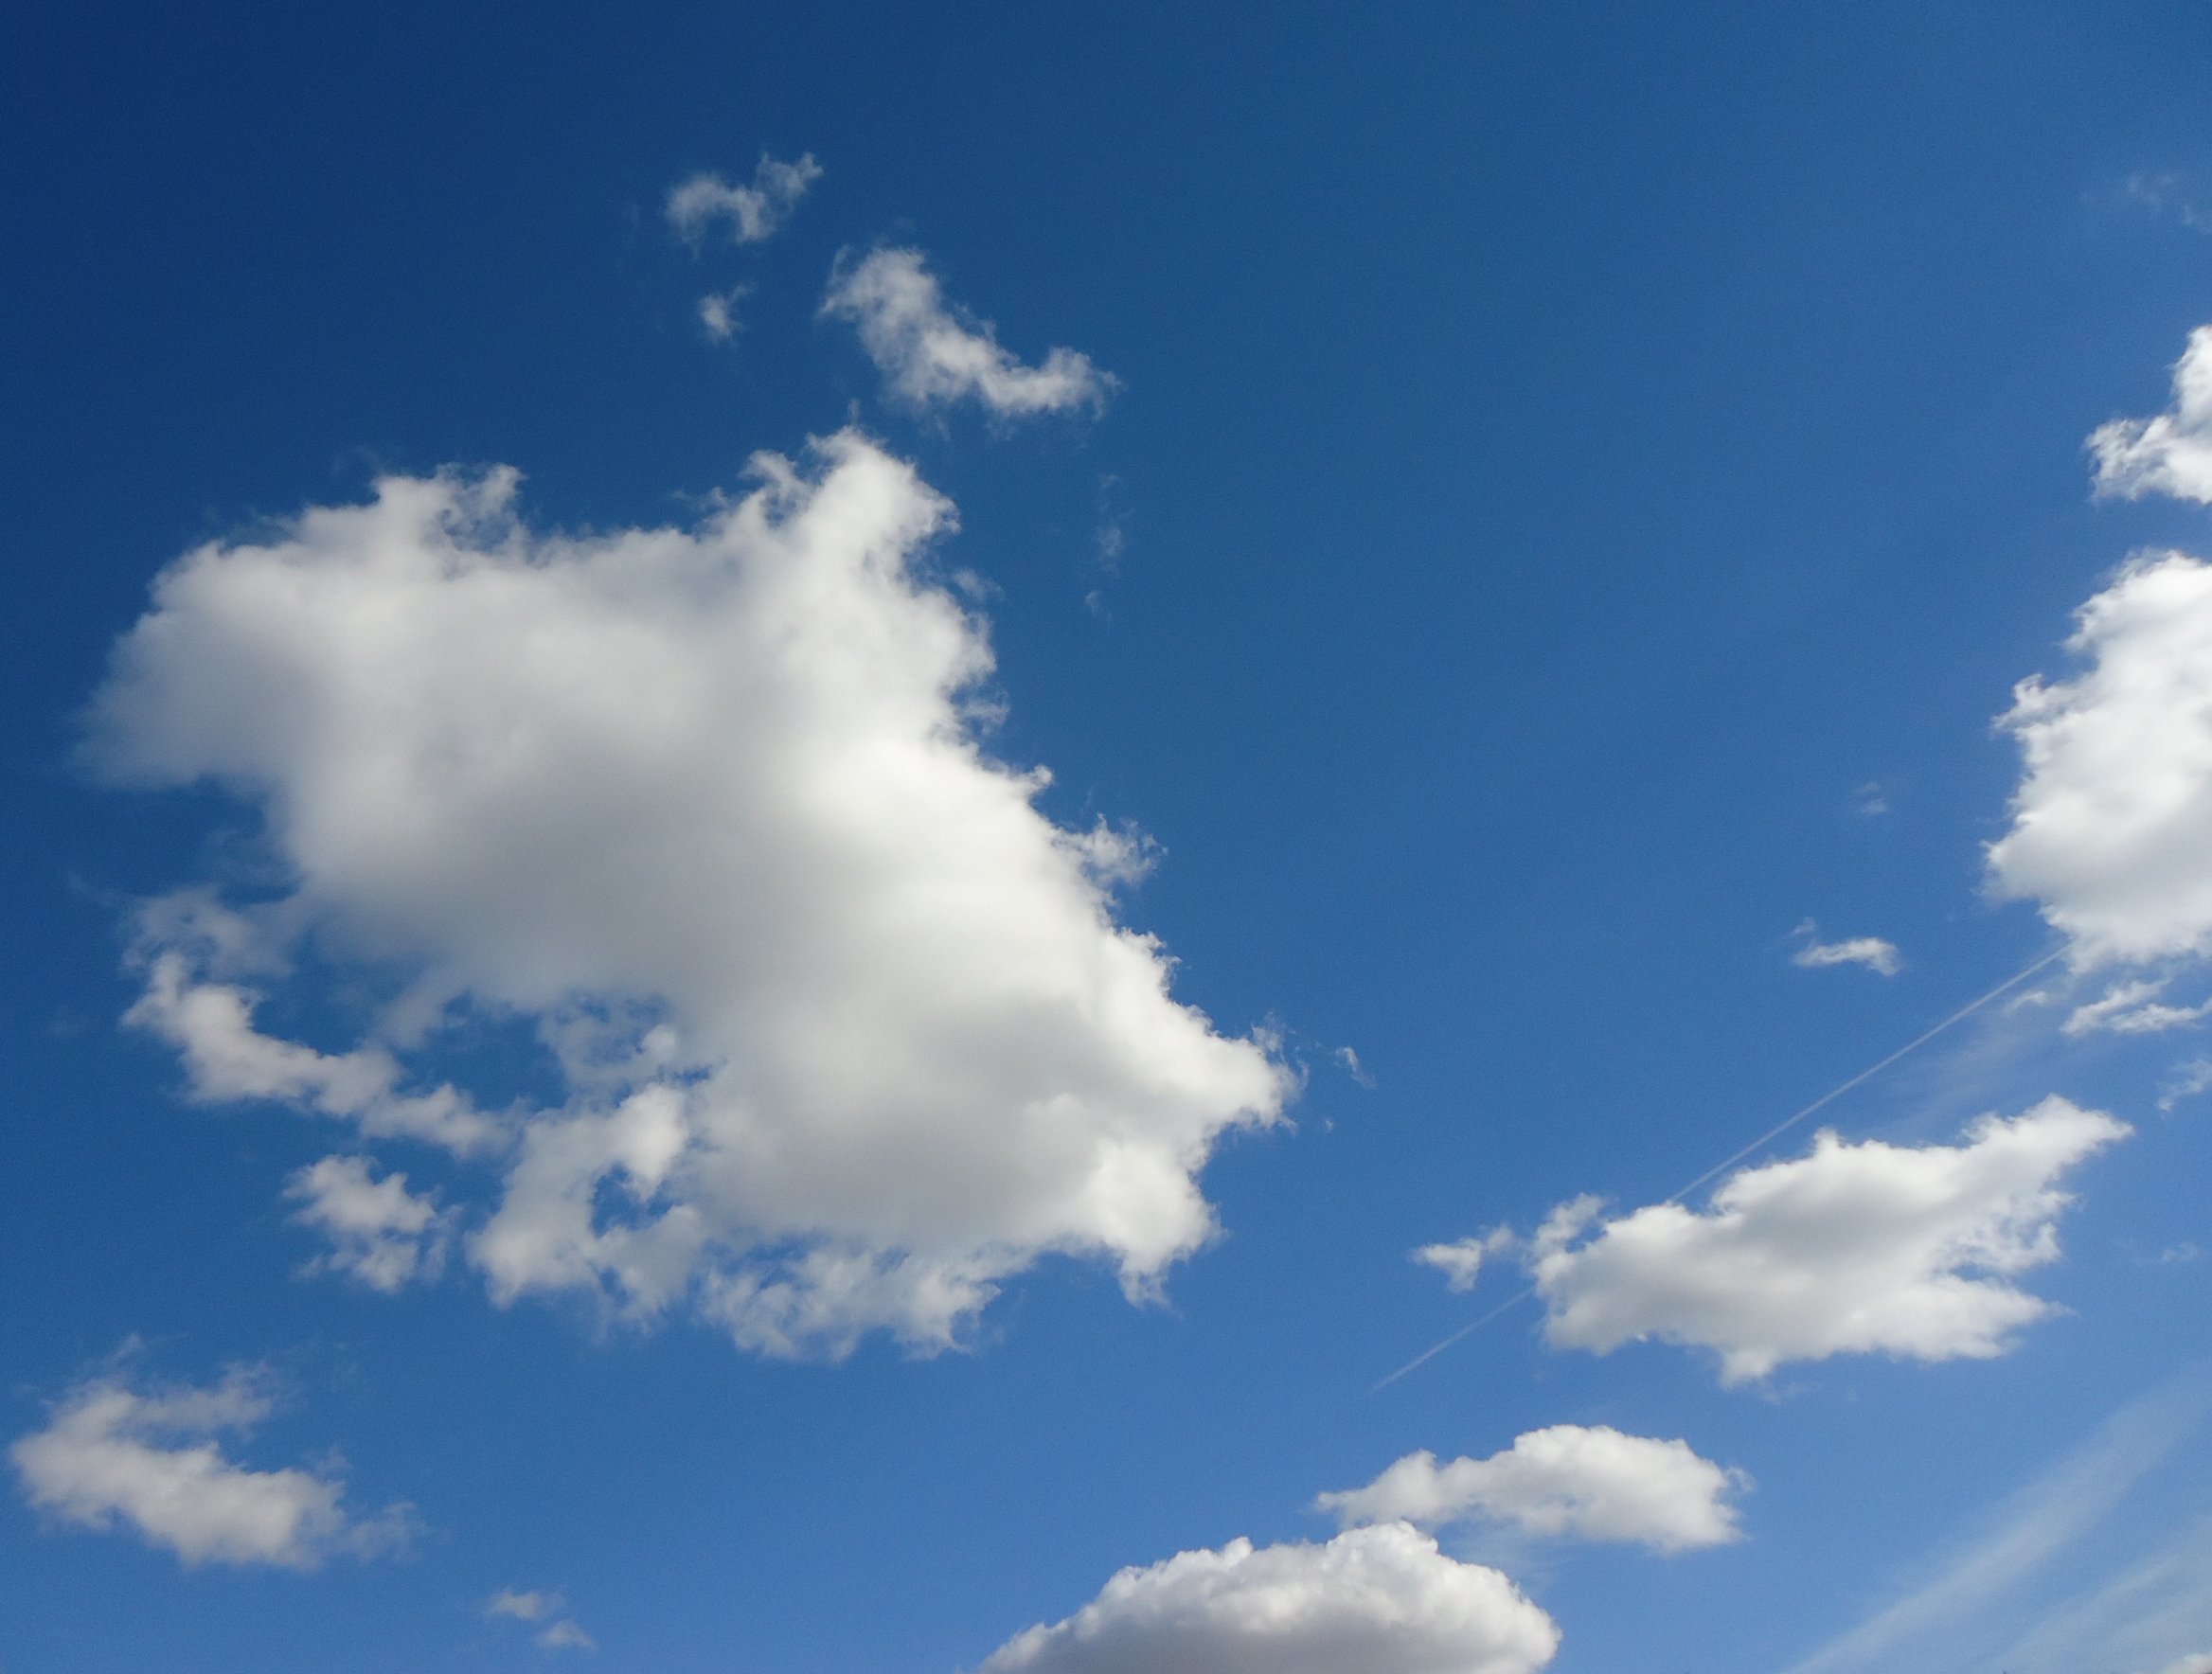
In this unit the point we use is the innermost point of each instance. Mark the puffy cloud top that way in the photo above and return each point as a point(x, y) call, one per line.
point(1858, 1248)
point(846, 1028)
point(1593, 1483)
point(1379, 1600)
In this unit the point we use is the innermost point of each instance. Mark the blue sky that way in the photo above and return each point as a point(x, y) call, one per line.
point(789, 794)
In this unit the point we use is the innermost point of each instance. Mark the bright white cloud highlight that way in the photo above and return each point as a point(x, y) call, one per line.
point(1870, 951)
point(1594, 1484)
point(930, 354)
point(2172, 452)
point(151, 1462)
point(2112, 825)
point(379, 1231)
point(1379, 1600)
point(849, 1031)
point(751, 212)
point(1856, 1249)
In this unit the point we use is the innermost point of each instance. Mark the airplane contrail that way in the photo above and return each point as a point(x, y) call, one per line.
point(1765, 1139)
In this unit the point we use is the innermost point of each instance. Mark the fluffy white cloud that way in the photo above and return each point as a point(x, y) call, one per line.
point(2130, 1008)
point(151, 1461)
point(378, 1231)
point(1461, 1261)
point(1596, 1484)
point(1870, 951)
point(1381, 1600)
point(930, 354)
point(753, 212)
point(566, 1636)
point(2172, 452)
point(2112, 825)
point(1866, 1248)
point(848, 1028)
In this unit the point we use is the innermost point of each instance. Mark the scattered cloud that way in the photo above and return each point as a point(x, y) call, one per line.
point(1382, 1600)
point(2111, 823)
point(379, 1232)
point(1348, 1061)
point(1856, 1249)
point(752, 212)
point(2200, 1663)
point(2130, 1008)
point(1594, 1484)
point(2172, 452)
point(845, 1030)
point(1870, 951)
point(561, 1631)
point(931, 354)
point(717, 312)
point(1461, 1261)
point(152, 1462)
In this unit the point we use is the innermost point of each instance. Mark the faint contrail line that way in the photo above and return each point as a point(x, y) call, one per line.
point(1767, 1138)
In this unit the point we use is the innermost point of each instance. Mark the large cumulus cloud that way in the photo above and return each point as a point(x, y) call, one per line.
point(847, 1030)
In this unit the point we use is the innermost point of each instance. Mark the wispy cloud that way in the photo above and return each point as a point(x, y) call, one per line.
point(929, 354)
point(1969, 1615)
point(752, 212)
point(1870, 950)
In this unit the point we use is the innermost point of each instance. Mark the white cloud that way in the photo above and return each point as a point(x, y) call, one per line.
point(930, 354)
point(2184, 1081)
point(525, 1607)
point(2112, 824)
point(1381, 1600)
point(1595, 1483)
point(1870, 951)
point(559, 1632)
point(151, 1461)
point(1461, 1261)
point(2201, 1664)
point(378, 1231)
point(849, 1031)
point(1856, 1249)
point(2130, 1008)
point(2172, 452)
point(226, 1059)
point(717, 312)
point(753, 212)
